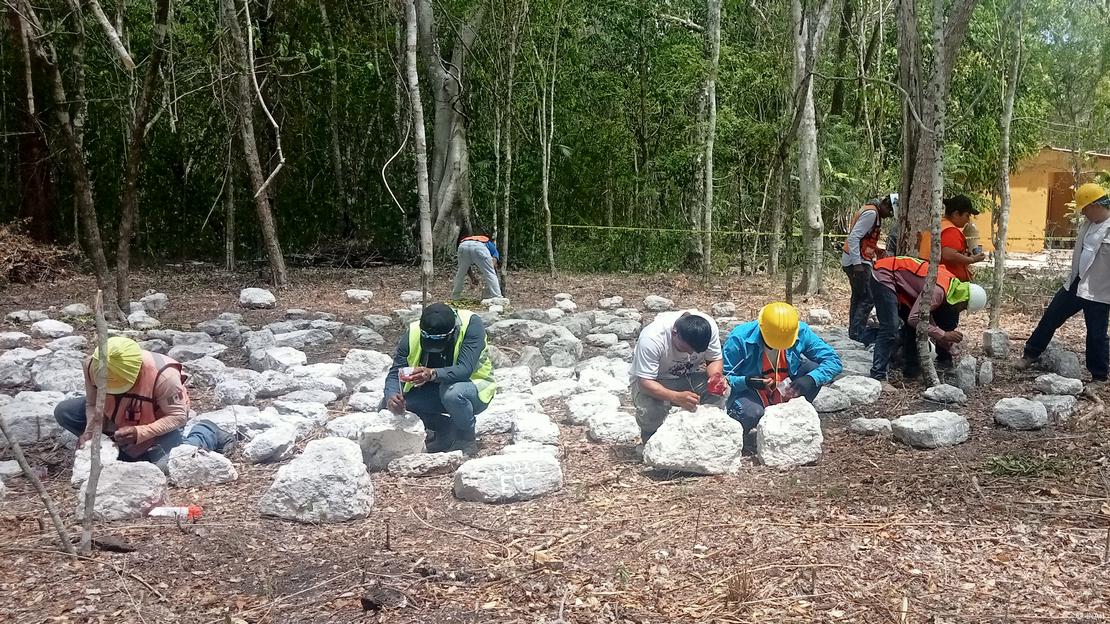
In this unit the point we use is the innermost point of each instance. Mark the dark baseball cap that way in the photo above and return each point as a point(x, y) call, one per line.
point(437, 328)
point(960, 203)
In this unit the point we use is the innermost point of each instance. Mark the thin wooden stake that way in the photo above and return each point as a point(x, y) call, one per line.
point(96, 426)
point(17, 451)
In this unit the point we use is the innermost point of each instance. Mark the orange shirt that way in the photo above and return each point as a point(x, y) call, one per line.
point(953, 237)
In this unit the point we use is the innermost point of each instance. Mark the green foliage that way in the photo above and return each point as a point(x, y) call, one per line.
point(1012, 465)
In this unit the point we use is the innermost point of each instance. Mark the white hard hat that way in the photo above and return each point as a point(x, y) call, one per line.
point(978, 299)
point(894, 200)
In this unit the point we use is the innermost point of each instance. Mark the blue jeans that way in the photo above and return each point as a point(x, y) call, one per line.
point(442, 405)
point(747, 408)
point(70, 414)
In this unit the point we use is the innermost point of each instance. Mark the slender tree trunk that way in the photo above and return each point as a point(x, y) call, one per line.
point(420, 147)
point(547, 126)
point(333, 122)
point(96, 426)
point(37, 191)
point(229, 223)
point(1002, 216)
point(245, 106)
point(507, 158)
point(778, 215)
point(139, 127)
point(713, 52)
point(836, 108)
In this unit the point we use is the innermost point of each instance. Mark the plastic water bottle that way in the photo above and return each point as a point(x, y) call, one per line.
point(190, 513)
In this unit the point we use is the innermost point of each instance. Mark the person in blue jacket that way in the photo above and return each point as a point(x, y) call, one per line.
point(775, 359)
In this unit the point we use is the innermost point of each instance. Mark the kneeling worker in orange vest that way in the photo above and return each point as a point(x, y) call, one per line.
point(146, 406)
point(896, 284)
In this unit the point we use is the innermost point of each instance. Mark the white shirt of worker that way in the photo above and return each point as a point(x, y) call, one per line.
point(656, 357)
point(860, 230)
point(1090, 262)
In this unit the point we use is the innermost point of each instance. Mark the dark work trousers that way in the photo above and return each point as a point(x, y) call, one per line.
point(886, 308)
point(945, 317)
point(861, 304)
point(748, 407)
point(1066, 304)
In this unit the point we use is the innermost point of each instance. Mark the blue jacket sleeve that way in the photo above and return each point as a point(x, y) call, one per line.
point(733, 355)
point(819, 351)
point(493, 250)
point(400, 360)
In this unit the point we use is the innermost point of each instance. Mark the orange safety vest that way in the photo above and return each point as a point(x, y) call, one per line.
point(925, 240)
point(138, 406)
point(477, 237)
point(770, 395)
point(916, 266)
point(869, 245)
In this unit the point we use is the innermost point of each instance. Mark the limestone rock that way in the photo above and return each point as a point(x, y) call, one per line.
point(1056, 384)
point(591, 379)
point(155, 302)
point(610, 303)
point(204, 372)
point(30, 417)
point(703, 442)
point(281, 359)
point(141, 321)
point(82, 459)
point(515, 380)
point(582, 407)
point(390, 436)
point(125, 491)
point(819, 316)
point(377, 322)
point(1021, 414)
point(602, 341)
point(190, 467)
point(547, 373)
point(68, 343)
point(11, 340)
point(508, 478)
point(860, 390)
point(655, 303)
point(15, 366)
point(327, 483)
point(789, 434)
point(557, 389)
point(965, 373)
point(272, 445)
point(613, 427)
point(535, 427)
point(26, 317)
point(60, 371)
point(986, 373)
point(530, 448)
point(361, 365)
point(931, 429)
point(724, 308)
point(1059, 407)
point(234, 392)
point(257, 299)
point(50, 329)
point(189, 352)
point(1061, 361)
point(996, 344)
point(310, 396)
point(532, 358)
point(944, 393)
point(830, 399)
point(304, 338)
point(358, 296)
point(870, 426)
point(274, 384)
point(426, 464)
point(412, 296)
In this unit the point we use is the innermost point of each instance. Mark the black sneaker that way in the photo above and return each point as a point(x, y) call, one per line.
point(442, 442)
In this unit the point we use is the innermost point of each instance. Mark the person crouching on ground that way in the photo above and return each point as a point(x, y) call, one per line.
point(480, 252)
point(1087, 289)
point(774, 359)
point(896, 283)
point(676, 356)
point(145, 409)
point(442, 373)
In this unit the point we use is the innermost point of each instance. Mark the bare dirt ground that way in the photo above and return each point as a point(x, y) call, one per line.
point(1009, 527)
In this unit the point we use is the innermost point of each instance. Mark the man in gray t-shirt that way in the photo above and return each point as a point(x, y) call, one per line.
point(676, 356)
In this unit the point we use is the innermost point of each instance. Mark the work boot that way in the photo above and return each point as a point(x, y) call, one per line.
point(466, 443)
point(442, 442)
point(1024, 363)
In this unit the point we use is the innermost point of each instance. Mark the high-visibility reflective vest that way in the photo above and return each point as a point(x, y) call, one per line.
point(868, 245)
point(961, 271)
point(482, 375)
point(777, 372)
point(918, 267)
point(138, 406)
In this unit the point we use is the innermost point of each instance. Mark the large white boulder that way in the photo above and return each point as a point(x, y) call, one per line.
point(142, 321)
point(257, 299)
point(534, 427)
point(355, 295)
point(508, 478)
point(944, 393)
point(610, 303)
point(581, 407)
point(50, 329)
point(1060, 407)
point(426, 464)
point(789, 434)
point(272, 445)
point(82, 459)
point(390, 436)
point(368, 401)
point(996, 343)
point(155, 302)
point(68, 343)
point(190, 466)
point(326, 483)
point(304, 338)
point(830, 399)
point(1020, 413)
point(234, 392)
point(703, 442)
point(15, 366)
point(60, 371)
point(613, 427)
point(860, 390)
point(362, 365)
point(517, 379)
point(931, 429)
point(13, 339)
point(30, 417)
point(557, 389)
point(965, 373)
point(1057, 384)
point(125, 491)
point(592, 379)
point(655, 303)
point(204, 372)
point(501, 413)
point(870, 426)
point(238, 418)
point(280, 359)
point(77, 309)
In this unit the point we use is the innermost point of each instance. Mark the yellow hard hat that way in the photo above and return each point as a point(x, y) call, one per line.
point(125, 359)
point(778, 322)
point(1088, 194)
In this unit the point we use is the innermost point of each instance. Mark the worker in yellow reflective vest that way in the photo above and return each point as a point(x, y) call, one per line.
point(442, 373)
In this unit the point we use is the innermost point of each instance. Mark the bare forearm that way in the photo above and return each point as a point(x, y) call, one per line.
point(716, 367)
point(655, 389)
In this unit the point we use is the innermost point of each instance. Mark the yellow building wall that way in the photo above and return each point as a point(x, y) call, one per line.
point(1029, 186)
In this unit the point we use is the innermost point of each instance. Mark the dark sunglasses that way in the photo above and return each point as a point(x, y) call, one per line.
point(1104, 202)
point(424, 334)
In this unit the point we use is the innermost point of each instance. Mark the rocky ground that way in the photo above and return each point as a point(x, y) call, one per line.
point(983, 503)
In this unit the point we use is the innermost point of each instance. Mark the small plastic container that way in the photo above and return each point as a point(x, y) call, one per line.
point(405, 374)
point(784, 386)
point(717, 385)
point(191, 513)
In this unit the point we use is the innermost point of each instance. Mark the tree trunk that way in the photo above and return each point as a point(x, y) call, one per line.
point(245, 106)
point(1001, 217)
point(836, 108)
point(713, 52)
point(96, 426)
point(229, 223)
point(420, 147)
point(38, 194)
point(139, 127)
point(507, 158)
point(547, 128)
point(75, 156)
point(333, 122)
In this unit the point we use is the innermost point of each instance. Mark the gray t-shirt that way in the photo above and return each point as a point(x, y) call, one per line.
point(656, 357)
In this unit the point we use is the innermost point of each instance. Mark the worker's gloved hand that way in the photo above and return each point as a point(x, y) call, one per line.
point(758, 383)
point(801, 386)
